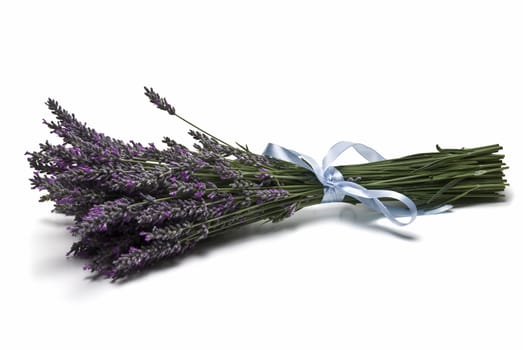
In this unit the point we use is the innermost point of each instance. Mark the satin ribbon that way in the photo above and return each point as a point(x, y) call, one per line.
point(336, 187)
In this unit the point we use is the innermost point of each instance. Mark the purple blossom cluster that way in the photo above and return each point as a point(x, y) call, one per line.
point(134, 205)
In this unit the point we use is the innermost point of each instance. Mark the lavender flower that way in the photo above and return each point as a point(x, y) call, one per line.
point(135, 205)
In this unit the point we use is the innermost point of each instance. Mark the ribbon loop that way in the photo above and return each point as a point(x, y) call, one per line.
point(336, 187)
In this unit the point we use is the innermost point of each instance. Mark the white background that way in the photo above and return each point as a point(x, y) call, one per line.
point(400, 76)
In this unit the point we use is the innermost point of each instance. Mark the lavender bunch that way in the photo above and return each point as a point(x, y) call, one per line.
point(134, 205)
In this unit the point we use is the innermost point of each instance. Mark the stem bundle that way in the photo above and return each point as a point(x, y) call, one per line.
point(135, 205)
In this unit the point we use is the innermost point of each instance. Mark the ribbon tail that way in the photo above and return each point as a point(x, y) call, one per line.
point(371, 199)
point(436, 211)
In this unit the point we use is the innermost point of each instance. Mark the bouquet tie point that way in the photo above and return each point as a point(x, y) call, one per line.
point(336, 187)
point(135, 205)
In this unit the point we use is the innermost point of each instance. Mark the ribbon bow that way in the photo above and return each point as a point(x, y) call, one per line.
point(336, 187)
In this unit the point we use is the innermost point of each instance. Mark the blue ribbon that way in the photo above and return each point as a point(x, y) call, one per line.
point(336, 187)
